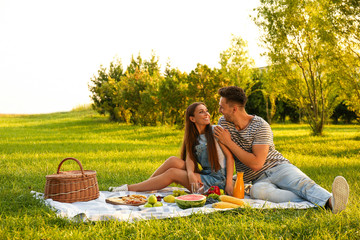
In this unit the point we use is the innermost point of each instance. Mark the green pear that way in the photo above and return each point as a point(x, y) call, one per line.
point(152, 199)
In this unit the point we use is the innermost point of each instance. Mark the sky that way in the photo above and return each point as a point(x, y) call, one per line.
point(49, 50)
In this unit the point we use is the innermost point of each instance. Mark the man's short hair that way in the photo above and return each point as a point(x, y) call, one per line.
point(233, 94)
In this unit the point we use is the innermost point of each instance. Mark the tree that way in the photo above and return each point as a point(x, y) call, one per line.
point(104, 90)
point(298, 46)
point(138, 91)
point(203, 84)
point(344, 17)
point(237, 66)
point(270, 89)
point(173, 97)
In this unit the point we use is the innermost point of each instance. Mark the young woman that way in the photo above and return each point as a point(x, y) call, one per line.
point(202, 159)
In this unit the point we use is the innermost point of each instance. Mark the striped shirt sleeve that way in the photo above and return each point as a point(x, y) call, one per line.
point(263, 134)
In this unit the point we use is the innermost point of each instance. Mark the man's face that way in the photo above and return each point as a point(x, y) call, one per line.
point(225, 109)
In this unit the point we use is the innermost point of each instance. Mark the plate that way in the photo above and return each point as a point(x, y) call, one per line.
point(130, 200)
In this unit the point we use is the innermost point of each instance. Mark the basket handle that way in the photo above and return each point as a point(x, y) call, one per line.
point(81, 167)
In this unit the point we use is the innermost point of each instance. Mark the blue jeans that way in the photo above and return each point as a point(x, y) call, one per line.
point(287, 183)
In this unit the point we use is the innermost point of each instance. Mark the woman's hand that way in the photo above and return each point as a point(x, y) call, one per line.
point(229, 189)
point(192, 178)
point(222, 135)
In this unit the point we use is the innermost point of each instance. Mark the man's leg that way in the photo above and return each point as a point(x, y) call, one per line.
point(265, 190)
point(289, 177)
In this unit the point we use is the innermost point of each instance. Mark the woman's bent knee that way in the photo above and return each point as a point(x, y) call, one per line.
point(176, 162)
point(175, 174)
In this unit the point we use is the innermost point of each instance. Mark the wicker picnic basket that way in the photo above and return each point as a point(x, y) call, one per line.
point(72, 186)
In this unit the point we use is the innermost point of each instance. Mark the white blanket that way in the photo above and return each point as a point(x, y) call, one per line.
point(99, 210)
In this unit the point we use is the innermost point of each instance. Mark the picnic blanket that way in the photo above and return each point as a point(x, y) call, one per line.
point(99, 210)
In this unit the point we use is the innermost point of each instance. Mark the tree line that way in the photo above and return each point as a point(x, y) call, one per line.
point(313, 47)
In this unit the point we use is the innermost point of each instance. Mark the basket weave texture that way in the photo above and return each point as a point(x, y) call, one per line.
point(72, 186)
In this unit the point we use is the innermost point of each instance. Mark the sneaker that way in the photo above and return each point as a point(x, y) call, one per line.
point(119, 189)
point(340, 194)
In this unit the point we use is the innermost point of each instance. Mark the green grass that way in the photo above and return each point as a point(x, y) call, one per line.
point(31, 147)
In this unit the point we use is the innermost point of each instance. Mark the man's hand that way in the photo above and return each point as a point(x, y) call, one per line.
point(222, 135)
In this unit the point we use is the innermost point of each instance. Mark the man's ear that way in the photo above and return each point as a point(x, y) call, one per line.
point(235, 108)
point(192, 119)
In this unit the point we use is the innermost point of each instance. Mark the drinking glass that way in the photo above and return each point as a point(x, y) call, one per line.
point(197, 188)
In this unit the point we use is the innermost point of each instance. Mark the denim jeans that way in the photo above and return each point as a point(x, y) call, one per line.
point(287, 183)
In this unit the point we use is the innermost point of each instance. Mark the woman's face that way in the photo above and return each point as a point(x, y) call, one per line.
point(201, 115)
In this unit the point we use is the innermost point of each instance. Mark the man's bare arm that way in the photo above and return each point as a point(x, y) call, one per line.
point(254, 160)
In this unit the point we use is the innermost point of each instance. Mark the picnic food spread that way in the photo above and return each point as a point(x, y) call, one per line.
point(134, 200)
point(213, 196)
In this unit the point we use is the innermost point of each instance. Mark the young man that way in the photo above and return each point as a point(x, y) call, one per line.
point(274, 178)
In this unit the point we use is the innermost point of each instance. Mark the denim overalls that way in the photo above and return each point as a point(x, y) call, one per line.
point(208, 177)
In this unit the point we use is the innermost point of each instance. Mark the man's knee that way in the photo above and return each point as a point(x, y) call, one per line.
point(260, 190)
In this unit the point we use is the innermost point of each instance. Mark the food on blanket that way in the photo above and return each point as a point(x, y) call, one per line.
point(230, 199)
point(127, 200)
point(224, 205)
point(190, 201)
point(211, 200)
point(169, 198)
point(214, 196)
point(158, 204)
point(177, 193)
point(214, 189)
point(152, 199)
point(153, 202)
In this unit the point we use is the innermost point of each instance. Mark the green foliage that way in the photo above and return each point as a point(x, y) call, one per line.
point(131, 96)
point(237, 66)
point(173, 96)
point(104, 90)
point(142, 95)
point(297, 40)
point(270, 89)
point(203, 86)
point(344, 19)
point(32, 146)
point(302, 83)
point(306, 52)
point(342, 112)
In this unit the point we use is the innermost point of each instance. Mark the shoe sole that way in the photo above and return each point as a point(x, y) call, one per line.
point(340, 191)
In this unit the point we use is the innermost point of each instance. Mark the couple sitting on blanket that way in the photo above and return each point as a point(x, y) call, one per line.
point(208, 153)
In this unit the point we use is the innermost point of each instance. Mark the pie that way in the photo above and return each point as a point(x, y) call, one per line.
point(134, 200)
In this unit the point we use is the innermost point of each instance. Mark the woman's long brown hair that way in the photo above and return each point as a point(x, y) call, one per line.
point(191, 140)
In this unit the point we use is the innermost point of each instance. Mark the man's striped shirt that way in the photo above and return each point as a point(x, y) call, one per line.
point(258, 132)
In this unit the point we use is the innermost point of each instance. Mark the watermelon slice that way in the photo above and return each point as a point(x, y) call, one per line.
point(190, 201)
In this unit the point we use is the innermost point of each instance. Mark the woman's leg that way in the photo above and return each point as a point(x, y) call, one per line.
point(171, 162)
point(172, 175)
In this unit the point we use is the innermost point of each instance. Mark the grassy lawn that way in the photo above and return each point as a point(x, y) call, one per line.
point(32, 146)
